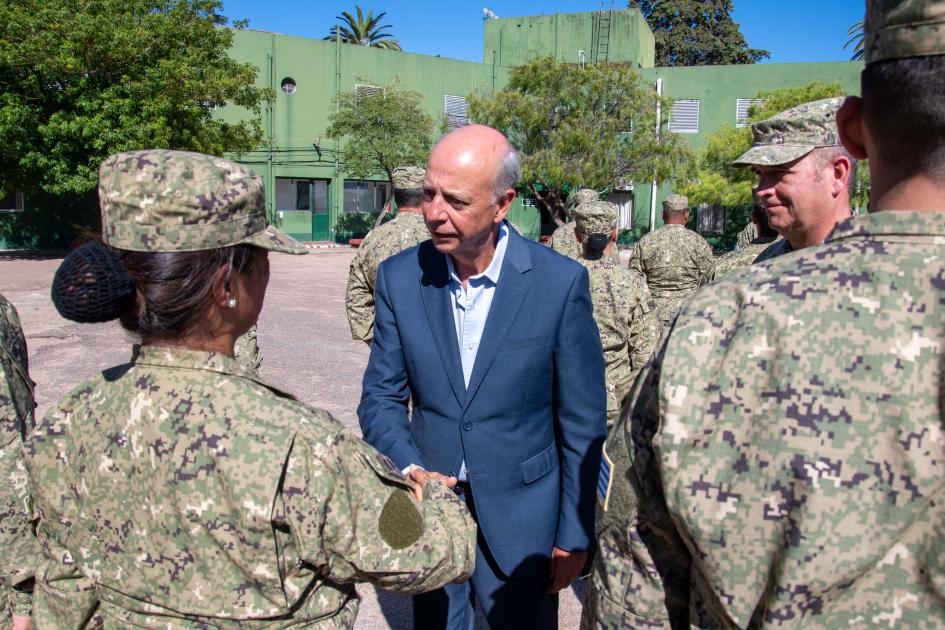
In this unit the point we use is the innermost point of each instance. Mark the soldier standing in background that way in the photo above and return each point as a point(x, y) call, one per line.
point(746, 255)
point(623, 308)
point(402, 232)
point(672, 259)
point(563, 240)
point(18, 550)
point(780, 463)
point(804, 174)
point(746, 236)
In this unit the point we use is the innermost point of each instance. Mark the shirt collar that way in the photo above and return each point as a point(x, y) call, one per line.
point(184, 359)
point(495, 267)
point(903, 223)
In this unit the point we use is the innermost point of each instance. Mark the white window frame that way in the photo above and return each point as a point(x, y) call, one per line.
point(741, 110)
point(684, 117)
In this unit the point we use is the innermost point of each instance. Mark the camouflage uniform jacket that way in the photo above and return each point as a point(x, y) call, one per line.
point(778, 248)
point(18, 551)
point(246, 349)
point(672, 259)
point(402, 232)
point(628, 326)
point(180, 491)
point(565, 243)
point(746, 236)
point(786, 446)
point(736, 259)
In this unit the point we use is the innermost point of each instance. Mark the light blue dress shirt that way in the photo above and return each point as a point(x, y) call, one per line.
point(471, 306)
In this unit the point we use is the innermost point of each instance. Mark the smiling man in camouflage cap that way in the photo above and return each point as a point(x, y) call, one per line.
point(402, 232)
point(785, 446)
point(804, 174)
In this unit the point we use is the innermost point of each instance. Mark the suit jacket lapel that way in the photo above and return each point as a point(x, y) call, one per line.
point(506, 303)
point(434, 289)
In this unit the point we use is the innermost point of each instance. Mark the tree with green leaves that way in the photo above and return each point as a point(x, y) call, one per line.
point(696, 33)
point(856, 39)
point(363, 30)
point(381, 129)
point(575, 127)
point(79, 81)
point(717, 182)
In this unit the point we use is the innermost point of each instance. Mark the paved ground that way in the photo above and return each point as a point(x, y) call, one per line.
point(303, 334)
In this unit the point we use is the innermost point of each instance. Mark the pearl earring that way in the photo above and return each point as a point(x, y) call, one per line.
point(231, 302)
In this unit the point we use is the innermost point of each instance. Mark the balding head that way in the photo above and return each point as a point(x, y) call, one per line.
point(468, 189)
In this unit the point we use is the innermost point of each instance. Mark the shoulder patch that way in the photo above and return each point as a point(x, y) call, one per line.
point(604, 478)
point(400, 523)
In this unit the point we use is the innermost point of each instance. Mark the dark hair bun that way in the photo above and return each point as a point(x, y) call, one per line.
point(91, 285)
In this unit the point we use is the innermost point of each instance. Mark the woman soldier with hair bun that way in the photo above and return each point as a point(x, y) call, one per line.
point(180, 491)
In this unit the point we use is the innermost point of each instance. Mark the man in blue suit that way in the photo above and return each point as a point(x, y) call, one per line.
point(491, 338)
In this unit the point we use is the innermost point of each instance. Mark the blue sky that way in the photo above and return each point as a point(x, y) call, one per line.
point(793, 30)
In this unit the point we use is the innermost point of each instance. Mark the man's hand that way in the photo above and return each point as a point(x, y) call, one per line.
point(565, 567)
point(22, 623)
point(418, 477)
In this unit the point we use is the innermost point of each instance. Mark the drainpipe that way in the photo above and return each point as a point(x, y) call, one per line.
point(659, 114)
point(334, 208)
point(270, 112)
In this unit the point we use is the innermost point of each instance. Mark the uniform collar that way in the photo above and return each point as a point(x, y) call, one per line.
point(184, 359)
point(890, 223)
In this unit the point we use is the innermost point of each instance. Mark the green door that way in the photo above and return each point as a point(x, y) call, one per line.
point(320, 200)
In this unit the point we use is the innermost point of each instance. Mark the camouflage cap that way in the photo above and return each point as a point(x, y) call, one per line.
point(159, 200)
point(408, 177)
point(792, 134)
point(585, 195)
point(896, 29)
point(596, 217)
point(676, 203)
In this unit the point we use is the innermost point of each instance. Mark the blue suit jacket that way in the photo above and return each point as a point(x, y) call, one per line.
point(531, 423)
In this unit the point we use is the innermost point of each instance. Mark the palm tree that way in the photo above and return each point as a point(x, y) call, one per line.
point(363, 31)
point(856, 38)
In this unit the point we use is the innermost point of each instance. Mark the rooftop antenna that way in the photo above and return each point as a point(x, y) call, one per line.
point(488, 14)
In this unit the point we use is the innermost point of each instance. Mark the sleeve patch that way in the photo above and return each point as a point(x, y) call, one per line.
point(400, 524)
point(604, 478)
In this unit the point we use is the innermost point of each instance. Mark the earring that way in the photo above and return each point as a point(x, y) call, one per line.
point(231, 302)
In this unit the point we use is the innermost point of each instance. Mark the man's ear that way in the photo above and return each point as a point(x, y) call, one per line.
point(850, 126)
point(503, 203)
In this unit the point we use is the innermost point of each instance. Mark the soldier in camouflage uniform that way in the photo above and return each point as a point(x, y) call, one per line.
point(402, 232)
point(781, 463)
point(563, 240)
point(745, 256)
point(804, 174)
point(179, 490)
point(18, 550)
point(671, 259)
point(623, 308)
point(746, 236)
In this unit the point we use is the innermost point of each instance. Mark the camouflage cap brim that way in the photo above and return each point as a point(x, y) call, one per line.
point(275, 240)
point(772, 155)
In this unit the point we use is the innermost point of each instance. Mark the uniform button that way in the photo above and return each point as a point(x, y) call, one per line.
point(467, 425)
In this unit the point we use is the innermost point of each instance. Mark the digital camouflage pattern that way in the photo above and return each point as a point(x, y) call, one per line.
point(408, 177)
point(402, 232)
point(780, 247)
point(895, 29)
point(565, 243)
point(595, 217)
point(18, 550)
point(585, 195)
point(789, 434)
point(793, 133)
point(676, 203)
point(629, 330)
point(747, 235)
point(736, 259)
point(672, 259)
point(246, 349)
point(159, 200)
point(195, 496)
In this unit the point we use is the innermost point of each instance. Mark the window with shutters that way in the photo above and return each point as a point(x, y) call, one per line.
point(741, 110)
point(366, 91)
point(710, 219)
point(11, 201)
point(457, 111)
point(684, 118)
point(623, 199)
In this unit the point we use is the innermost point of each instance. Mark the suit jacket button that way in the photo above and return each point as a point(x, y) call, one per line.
point(467, 425)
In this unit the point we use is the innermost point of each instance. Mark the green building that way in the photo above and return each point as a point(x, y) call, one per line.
point(311, 196)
